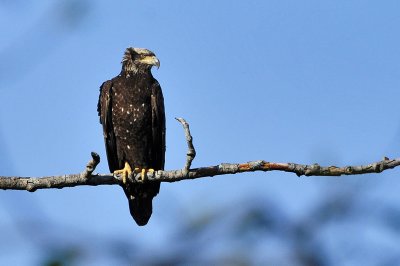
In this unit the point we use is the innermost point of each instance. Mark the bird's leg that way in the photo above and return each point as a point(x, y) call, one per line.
point(125, 172)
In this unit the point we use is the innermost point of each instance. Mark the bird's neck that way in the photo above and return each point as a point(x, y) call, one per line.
point(136, 71)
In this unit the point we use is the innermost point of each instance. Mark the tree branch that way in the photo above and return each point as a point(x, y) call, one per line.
point(72, 180)
point(89, 179)
point(189, 139)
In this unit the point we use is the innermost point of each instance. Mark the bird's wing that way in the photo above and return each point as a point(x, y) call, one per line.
point(104, 108)
point(158, 126)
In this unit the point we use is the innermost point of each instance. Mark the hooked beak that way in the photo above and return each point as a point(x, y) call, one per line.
point(151, 60)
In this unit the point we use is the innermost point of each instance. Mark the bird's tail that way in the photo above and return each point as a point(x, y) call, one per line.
point(140, 198)
point(141, 209)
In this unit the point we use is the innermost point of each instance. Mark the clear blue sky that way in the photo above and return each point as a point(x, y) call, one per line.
point(287, 81)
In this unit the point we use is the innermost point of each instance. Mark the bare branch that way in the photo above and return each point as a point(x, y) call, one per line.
point(89, 179)
point(72, 180)
point(32, 183)
point(189, 139)
point(298, 169)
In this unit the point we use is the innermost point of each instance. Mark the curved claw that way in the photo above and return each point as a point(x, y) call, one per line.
point(125, 172)
point(144, 172)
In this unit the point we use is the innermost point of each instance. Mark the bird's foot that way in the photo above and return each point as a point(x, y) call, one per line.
point(125, 172)
point(144, 172)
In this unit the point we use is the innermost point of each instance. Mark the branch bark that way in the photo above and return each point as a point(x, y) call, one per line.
point(191, 153)
point(33, 183)
point(89, 179)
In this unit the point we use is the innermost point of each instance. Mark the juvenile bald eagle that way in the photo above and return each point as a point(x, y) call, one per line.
point(131, 110)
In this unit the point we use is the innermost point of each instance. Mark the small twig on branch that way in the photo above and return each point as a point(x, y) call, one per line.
point(189, 139)
point(88, 178)
point(91, 165)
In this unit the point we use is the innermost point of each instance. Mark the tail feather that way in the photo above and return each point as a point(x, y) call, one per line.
point(141, 209)
point(140, 198)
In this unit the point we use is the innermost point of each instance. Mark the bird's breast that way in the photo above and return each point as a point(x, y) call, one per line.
point(131, 112)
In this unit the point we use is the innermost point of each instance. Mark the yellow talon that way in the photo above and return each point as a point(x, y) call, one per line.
point(144, 172)
point(125, 172)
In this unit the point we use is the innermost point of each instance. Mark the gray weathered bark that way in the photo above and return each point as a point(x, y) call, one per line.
point(89, 179)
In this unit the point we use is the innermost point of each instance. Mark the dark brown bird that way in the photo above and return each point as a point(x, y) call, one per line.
point(131, 110)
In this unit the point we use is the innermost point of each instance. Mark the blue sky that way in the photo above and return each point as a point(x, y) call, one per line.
point(287, 81)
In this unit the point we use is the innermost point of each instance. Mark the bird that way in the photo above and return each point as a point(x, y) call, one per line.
point(132, 114)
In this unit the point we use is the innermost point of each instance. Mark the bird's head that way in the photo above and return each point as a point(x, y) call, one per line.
point(136, 59)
